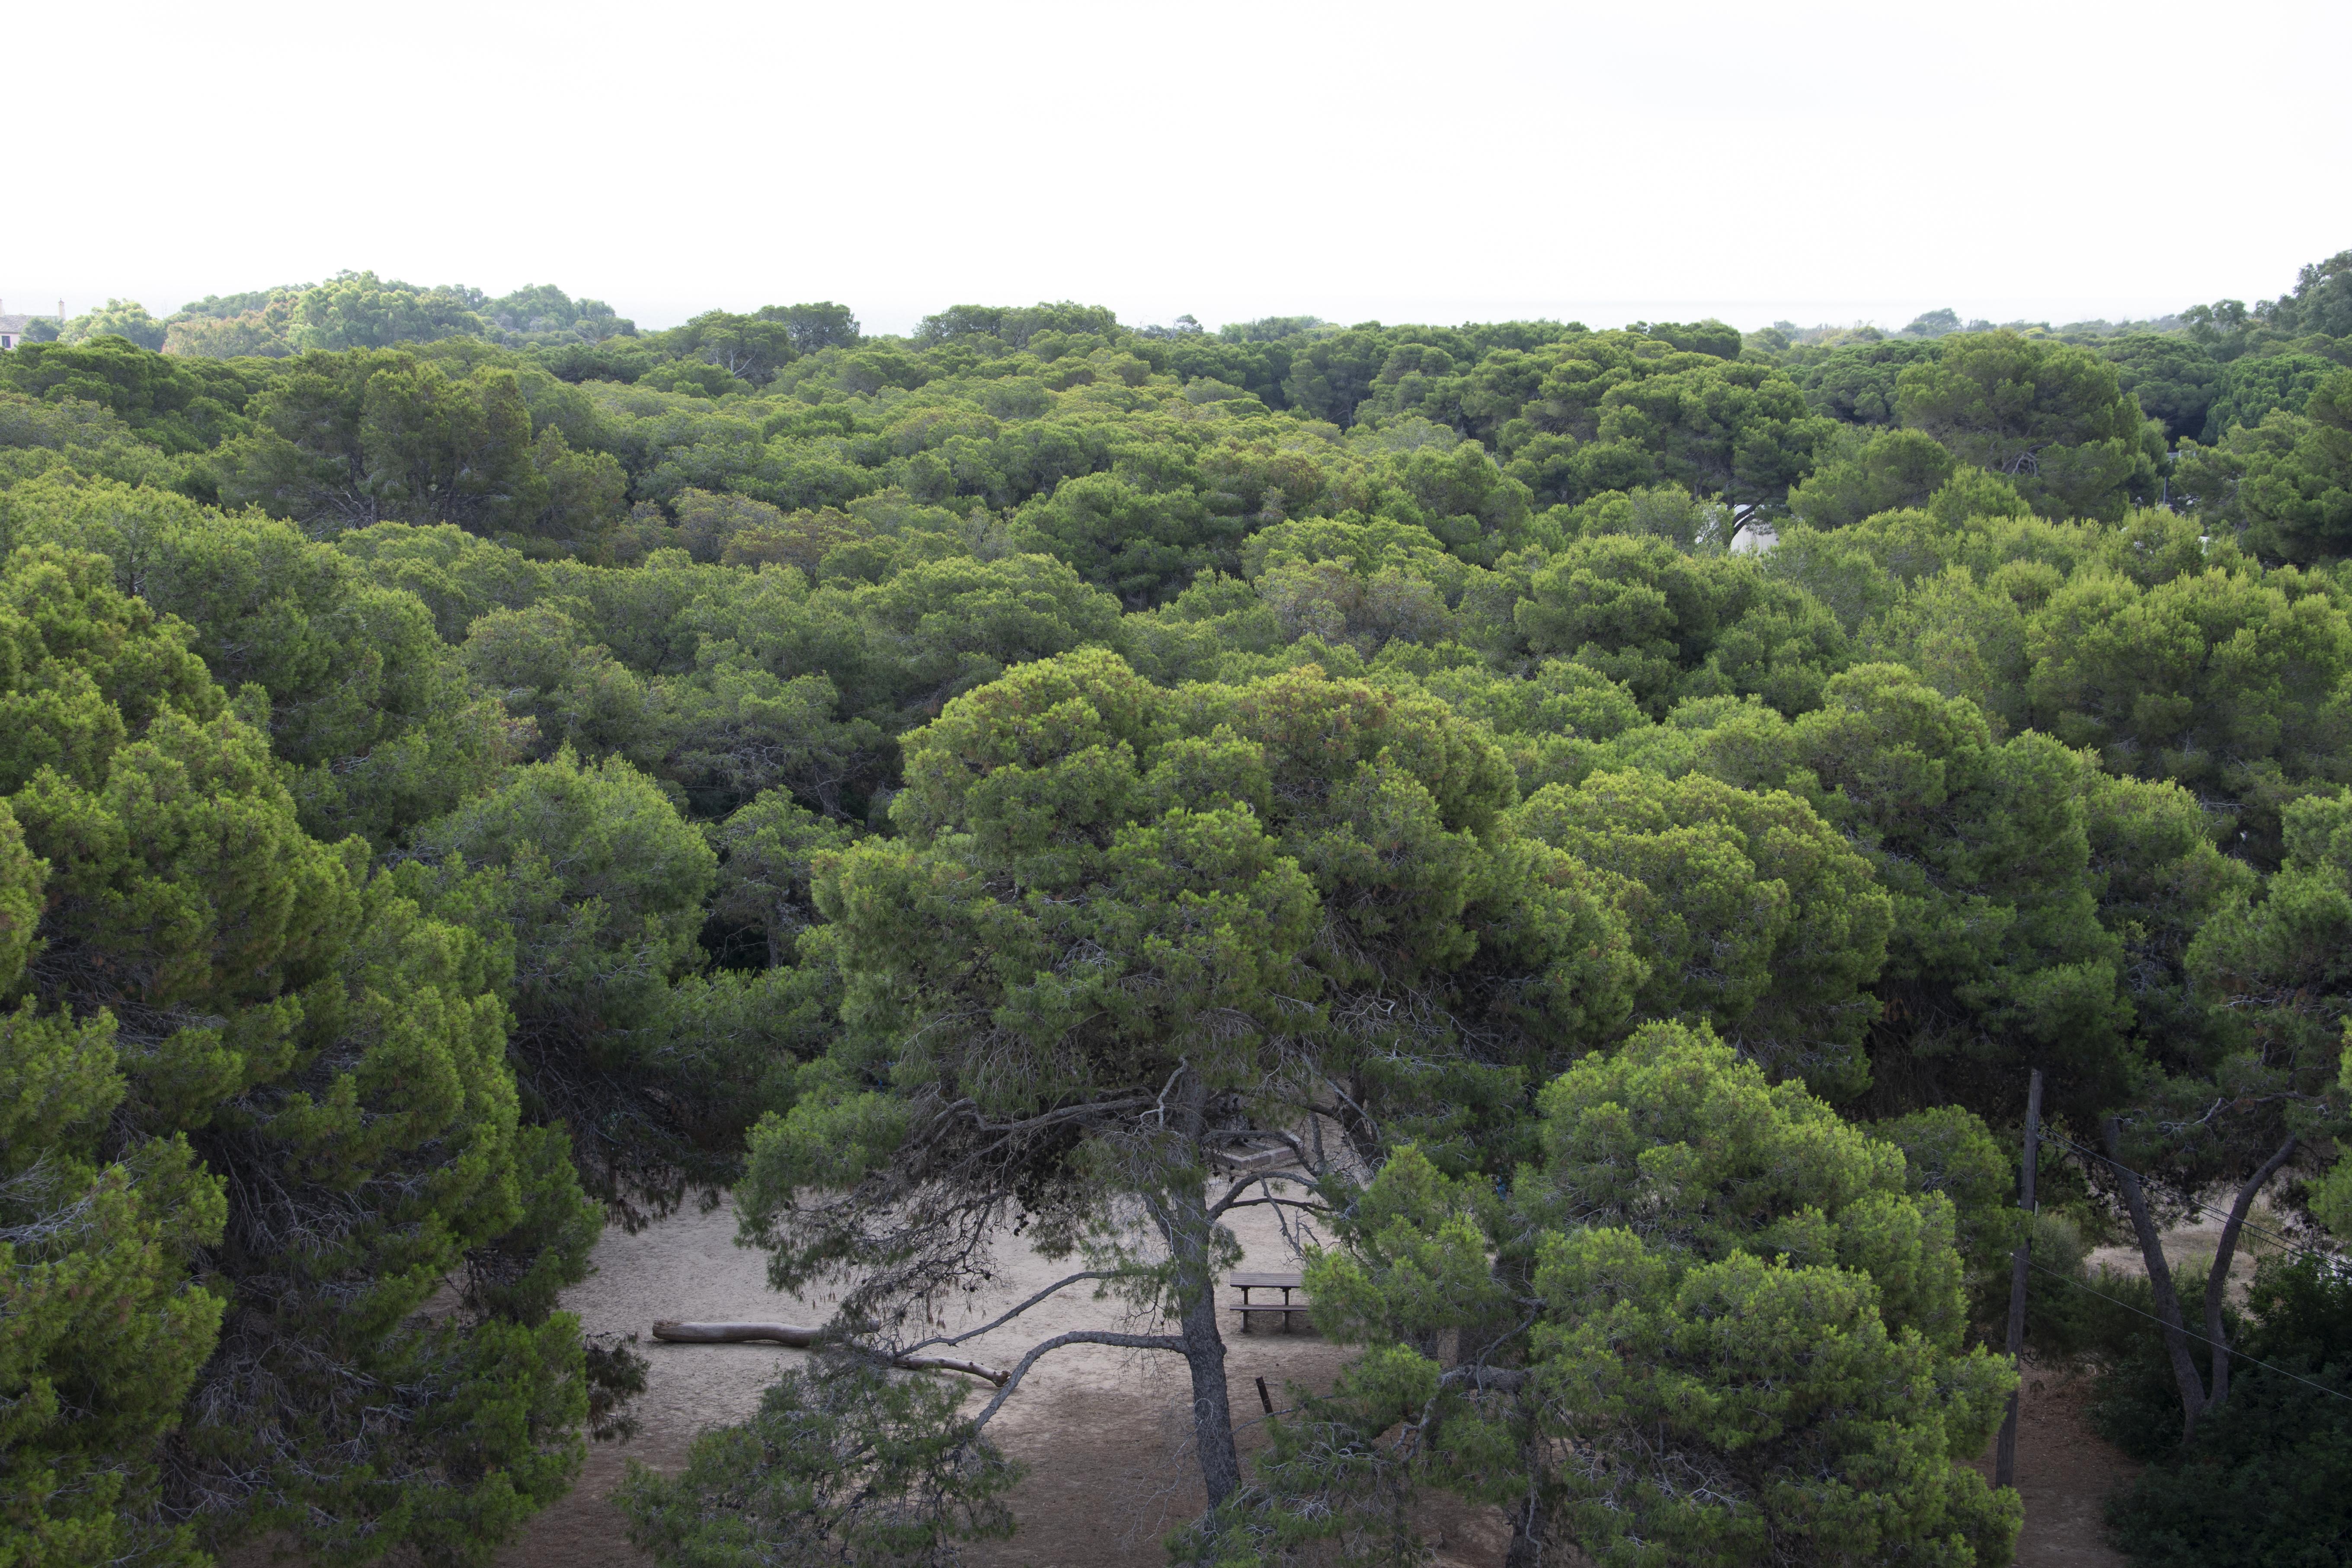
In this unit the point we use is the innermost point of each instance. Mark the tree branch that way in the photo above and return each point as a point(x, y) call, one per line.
point(1077, 1336)
point(798, 1338)
point(1011, 1312)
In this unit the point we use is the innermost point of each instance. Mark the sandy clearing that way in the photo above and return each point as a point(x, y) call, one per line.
point(1105, 1432)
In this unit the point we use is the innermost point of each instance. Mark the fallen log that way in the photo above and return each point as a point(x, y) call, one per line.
point(802, 1339)
point(734, 1333)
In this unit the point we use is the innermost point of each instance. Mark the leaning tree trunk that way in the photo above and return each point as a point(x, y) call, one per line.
point(2159, 1279)
point(2217, 1284)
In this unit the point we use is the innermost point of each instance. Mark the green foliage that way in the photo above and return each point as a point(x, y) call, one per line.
point(1016, 767)
point(2322, 300)
point(1998, 952)
point(2175, 379)
point(1551, 723)
point(2123, 638)
point(125, 318)
point(1655, 511)
point(349, 439)
point(1752, 915)
point(1947, 1149)
point(1225, 853)
point(956, 624)
point(400, 1086)
point(177, 405)
point(744, 351)
point(109, 1331)
point(1671, 626)
point(591, 886)
point(38, 437)
point(363, 701)
point(1708, 336)
point(844, 1463)
point(2249, 388)
point(2275, 974)
point(259, 1110)
point(766, 882)
point(2049, 417)
point(458, 576)
point(1610, 412)
point(1894, 469)
point(1144, 545)
point(542, 315)
point(2222, 681)
point(1754, 1281)
point(2312, 315)
point(234, 326)
point(2287, 480)
point(2264, 1482)
point(1855, 383)
point(360, 311)
point(1933, 324)
point(1697, 1152)
point(1730, 1288)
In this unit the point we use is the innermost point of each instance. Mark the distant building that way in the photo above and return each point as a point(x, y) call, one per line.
point(12, 328)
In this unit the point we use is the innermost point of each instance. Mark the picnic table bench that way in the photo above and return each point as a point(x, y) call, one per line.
point(1285, 1283)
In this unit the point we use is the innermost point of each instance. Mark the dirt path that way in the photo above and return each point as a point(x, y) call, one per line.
point(2064, 1473)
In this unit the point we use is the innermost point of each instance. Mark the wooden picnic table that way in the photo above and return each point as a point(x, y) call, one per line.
point(1285, 1283)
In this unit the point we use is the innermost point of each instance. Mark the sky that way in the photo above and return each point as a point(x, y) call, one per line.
point(1808, 162)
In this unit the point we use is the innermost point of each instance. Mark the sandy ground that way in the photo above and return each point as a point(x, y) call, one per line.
point(2187, 1244)
point(1105, 1432)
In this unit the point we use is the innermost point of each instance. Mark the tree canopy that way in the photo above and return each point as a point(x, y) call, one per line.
point(1604, 823)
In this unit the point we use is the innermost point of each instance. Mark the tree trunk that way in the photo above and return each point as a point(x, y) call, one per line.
point(2217, 1285)
point(1363, 1138)
point(2159, 1279)
point(1485, 1340)
point(1531, 1515)
point(1185, 1217)
point(1212, 1415)
point(2004, 1464)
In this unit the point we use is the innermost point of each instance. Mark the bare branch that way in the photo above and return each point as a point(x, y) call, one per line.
point(1077, 1336)
point(1000, 1321)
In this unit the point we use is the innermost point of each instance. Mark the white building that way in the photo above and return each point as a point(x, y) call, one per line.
point(12, 328)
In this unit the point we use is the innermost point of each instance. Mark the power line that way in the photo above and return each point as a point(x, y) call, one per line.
point(2193, 1203)
point(2225, 1350)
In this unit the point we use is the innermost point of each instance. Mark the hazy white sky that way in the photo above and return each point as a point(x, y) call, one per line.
point(1809, 161)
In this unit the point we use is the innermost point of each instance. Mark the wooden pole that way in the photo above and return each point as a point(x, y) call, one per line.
point(2004, 1463)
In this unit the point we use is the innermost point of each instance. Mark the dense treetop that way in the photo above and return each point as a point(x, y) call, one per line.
point(474, 765)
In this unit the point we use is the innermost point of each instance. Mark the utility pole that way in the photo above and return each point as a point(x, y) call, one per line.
point(2004, 1462)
